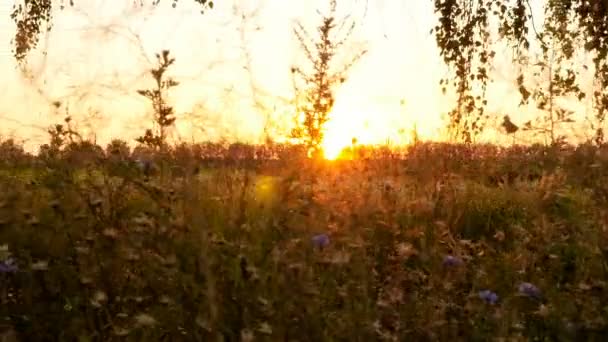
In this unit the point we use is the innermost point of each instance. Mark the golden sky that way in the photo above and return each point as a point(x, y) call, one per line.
point(97, 54)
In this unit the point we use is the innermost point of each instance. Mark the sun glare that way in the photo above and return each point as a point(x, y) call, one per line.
point(339, 135)
point(332, 149)
point(365, 126)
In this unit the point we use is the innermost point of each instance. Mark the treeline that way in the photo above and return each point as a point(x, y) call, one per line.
point(82, 153)
point(431, 158)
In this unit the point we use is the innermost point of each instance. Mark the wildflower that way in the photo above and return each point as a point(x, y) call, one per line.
point(85, 280)
point(529, 290)
point(488, 296)
point(8, 266)
point(110, 233)
point(320, 241)
point(145, 320)
point(500, 235)
point(96, 202)
point(263, 301)
point(67, 306)
point(41, 265)
point(82, 250)
point(451, 261)
point(570, 327)
point(99, 298)
point(406, 250)
point(142, 164)
point(121, 331)
point(340, 258)
point(543, 310)
point(143, 220)
point(203, 323)
point(164, 299)
point(265, 328)
point(33, 221)
point(247, 335)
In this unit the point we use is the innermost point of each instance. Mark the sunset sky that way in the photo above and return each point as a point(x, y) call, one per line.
point(98, 53)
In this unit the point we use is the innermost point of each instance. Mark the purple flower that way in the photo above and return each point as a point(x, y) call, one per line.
point(320, 241)
point(529, 290)
point(488, 296)
point(451, 261)
point(8, 266)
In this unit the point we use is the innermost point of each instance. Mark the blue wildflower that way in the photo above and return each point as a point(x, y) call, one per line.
point(451, 261)
point(8, 266)
point(320, 240)
point(529, 290)
point(488, 296)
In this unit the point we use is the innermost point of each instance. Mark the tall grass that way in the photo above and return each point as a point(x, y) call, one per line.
point(435, 246)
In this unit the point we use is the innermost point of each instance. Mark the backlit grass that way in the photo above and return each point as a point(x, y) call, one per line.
point(439, 246)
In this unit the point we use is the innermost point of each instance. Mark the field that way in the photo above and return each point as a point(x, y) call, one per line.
point(446, 243)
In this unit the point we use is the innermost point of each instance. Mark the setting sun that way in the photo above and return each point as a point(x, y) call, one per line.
point(336, 141)
point(357, 123)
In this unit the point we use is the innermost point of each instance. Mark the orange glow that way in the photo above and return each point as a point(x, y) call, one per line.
point(336, 141)
point(367, 125)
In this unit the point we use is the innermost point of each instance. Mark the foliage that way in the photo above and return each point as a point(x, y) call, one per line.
point(559, 85)
point(63, 134)
point(13, 154)
point(465, 27)
point(34, 17)
point(463, 39)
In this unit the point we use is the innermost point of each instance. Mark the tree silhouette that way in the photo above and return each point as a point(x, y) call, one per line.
point(557, 81)
point(163, 113)
point(317, 83)
point(463, 35)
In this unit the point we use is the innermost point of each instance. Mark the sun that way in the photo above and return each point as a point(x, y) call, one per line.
point(339, 135)
point(333, 147)
point(349, 125)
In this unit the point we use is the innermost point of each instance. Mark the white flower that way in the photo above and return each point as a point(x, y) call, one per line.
point(42, 265)
point(99, 298)
point(144, 319)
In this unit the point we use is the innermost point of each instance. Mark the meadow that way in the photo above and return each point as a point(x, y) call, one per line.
point(440, 242)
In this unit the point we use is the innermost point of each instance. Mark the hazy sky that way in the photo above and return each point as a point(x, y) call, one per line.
point(98, 51)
